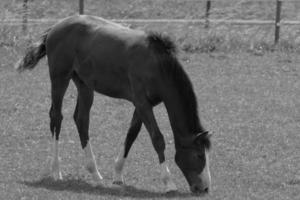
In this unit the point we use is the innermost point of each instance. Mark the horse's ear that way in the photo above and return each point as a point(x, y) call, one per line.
point(204, 134)
point(208, 134)
point(203, 139)
point(200, 139)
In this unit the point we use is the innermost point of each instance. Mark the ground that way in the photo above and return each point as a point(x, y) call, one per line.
point(250, 103)
point(247, 90)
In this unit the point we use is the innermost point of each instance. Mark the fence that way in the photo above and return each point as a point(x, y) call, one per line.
point(206, 21)
point(208, 7)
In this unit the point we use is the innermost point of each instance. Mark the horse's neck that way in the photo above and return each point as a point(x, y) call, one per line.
point(176, 113)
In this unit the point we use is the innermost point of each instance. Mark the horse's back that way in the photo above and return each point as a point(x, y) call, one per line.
point(88, 37)
point(104, 54)
point(84, 27)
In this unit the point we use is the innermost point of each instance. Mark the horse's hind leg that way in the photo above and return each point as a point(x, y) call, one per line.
point(81, 118)
point(135, 127)
point(58, 89)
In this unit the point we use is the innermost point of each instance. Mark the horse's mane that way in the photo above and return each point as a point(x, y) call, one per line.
point(165, 51)
point(161, 44)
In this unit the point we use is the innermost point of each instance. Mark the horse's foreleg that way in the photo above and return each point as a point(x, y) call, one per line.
point(132, 133)
point(146, 113)
point(81, 118)
point(167, 178)
point(91, 164)
point(119, 166)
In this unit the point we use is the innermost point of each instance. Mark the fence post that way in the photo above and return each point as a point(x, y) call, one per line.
point(208, 4)
point(81, 7)
point(25, 15)
point(277, 21)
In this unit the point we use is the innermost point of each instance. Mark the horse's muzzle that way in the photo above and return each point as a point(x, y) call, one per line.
point(199, 190)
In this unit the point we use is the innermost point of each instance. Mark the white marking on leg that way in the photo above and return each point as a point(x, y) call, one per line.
point(205, 175)
point(166, 178)
point(91, 165)
point(53, 167)
point(118, 172)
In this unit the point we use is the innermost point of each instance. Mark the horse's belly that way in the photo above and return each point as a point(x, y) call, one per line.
point(112, 87)
point(107, 80)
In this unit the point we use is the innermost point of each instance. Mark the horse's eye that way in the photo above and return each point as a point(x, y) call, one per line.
point(200, 156)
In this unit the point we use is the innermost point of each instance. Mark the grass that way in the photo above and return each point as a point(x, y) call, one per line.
point(191, 37)
point(248, 95)
point(230, 9)
point(250, 102)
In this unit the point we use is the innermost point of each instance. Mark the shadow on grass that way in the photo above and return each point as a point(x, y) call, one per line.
point(81, 186)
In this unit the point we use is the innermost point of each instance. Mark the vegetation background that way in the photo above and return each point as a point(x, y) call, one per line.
point(191, 37)
point(247, 89)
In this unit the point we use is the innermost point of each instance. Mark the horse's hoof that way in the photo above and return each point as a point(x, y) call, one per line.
point(120, 183)
point(96, 176)
point(171, 188)
point(58, 177)
point(171, 192)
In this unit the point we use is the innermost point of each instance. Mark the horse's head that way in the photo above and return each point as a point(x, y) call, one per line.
point(192, 158)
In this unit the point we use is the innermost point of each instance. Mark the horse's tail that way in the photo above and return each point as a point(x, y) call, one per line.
point(34, 53)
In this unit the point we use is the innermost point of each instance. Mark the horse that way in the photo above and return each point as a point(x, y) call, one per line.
point(139, 66)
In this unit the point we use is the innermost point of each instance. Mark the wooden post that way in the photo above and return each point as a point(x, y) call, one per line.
point(277, 21)
point(81, 7)
point(208, 4)
point(25, 15)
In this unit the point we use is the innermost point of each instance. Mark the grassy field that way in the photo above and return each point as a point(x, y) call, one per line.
point(249, 98)
point(251, 103)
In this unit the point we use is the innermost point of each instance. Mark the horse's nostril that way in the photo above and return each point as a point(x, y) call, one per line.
point(197, 189)
point(206, 190)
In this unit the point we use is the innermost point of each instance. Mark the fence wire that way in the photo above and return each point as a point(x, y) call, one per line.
point(232, 22)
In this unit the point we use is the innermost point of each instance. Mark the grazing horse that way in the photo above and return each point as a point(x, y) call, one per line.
point(141, 67)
